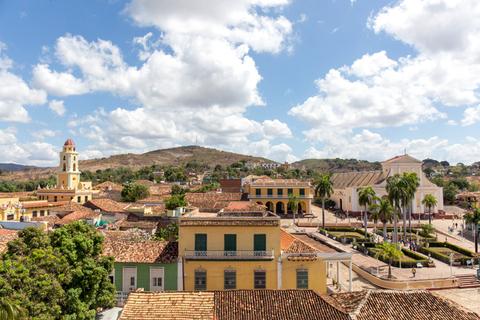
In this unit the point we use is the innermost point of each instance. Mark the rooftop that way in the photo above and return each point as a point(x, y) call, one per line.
point(5, 237)
point(268, 182)
point(106, 205)
point(126, 246)
point(298, 249)
point(230, 218)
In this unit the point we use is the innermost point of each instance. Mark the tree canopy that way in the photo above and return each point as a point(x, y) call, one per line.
point(57, 275)
point(133, 192)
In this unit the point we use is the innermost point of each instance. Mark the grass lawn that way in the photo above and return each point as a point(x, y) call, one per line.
point(346, 234)
point(447, 252)
point(400, 236)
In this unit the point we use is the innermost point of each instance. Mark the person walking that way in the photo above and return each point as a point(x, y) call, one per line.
point(414, 271)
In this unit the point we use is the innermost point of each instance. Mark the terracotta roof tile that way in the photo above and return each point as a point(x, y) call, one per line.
point(106, 205)
point(169, 305)
point(5, 237)
point(124, 246)
point(236, 206)
point(108, 186)
point(293, 245)
point(400, 305)
point(77, 215)
point(212, 200)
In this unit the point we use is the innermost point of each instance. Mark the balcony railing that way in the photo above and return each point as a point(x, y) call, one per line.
point(229, 255)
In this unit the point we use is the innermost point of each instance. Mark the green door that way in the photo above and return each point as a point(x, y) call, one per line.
point(200, 242)
point(230, 242)
point(259, 242)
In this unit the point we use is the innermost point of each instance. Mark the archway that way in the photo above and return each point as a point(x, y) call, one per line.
point(301, 208)
point(341, 204)
point(269, 206)
point(280, 208)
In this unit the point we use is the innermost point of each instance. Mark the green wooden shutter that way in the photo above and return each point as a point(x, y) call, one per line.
point(259, 242)
point(230, 242)
point(200, 242)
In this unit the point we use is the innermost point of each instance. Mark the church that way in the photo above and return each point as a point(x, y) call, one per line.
point(69, 187)
point(346, 185)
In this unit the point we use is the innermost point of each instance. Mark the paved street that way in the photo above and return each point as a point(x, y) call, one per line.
point(468, 298)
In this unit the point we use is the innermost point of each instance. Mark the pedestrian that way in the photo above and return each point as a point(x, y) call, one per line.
point(414, 271)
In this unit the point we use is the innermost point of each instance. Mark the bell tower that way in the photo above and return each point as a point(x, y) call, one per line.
point(68, 175)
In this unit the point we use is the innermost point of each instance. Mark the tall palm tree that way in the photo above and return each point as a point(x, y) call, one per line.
point(10, 310)
point(383, 211)
point(474, 219)
point(430, 202)
point(293, 204)
point(396, 190)
point(411, 183)
point(323, 189)
point(366, 196)
point(390, 252)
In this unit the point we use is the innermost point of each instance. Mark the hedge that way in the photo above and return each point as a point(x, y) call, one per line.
point(346, 239)
point(444, 258)
point(368, 247)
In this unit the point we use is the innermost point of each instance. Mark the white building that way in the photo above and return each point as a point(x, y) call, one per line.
point(346, 185)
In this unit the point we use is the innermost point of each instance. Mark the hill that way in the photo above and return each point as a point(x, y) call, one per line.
point(15, 167)
point(337, 165)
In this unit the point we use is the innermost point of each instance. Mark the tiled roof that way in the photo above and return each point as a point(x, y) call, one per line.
point(70, 207)
point(136, 224)
point(274, 304)
point(399, 305)
point(235, 206)
point(105, 205)
point(169, 305)
point(69, 142)
point(357, 179)
point(108, 186)
point(51, 219)
point(124, 247)
point(299, 249)
point(42, 204)
point(404, 158)
point(5, 237)
point(268, 182)
point(212, 200)
point(78, 215)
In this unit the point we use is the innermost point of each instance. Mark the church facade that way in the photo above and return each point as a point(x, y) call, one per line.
point(346, 185)
point(69, 187)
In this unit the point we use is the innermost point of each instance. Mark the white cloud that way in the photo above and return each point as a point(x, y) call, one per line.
point(57, 106)
point(471, 116)
point(57, 83)
point(44, 133)
point(15, 94)
point(276, 128)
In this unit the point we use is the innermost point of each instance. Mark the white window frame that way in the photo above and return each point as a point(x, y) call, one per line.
point(126, 287)
point(157, 272)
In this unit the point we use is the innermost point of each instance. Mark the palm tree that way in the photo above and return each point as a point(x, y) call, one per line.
point(474, 219)
point(10, 311)
point(293, 204)
point(390, 252)
point(411, 183)
point(383, 211)
point(366, 196)
point(396, 194)
point(429, 201)
point(323, 189)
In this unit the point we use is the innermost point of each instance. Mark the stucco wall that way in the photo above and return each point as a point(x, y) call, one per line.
point(143, 275)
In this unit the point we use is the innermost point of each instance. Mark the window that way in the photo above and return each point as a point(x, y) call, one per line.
point(34, 213)
point(259, 281)
point(132, 281)
point(10, 216)
point(270, 192)
point(280, 192)
point(289, 191)
point(200, 280)
point(55, 199)
point(79, 199)
point(302, 279)
point(200, 242)
point(86, 198)
point(230, 280)
point(230, 244)
point(64, 167)
point(42, 213)
point(258, 192)
point(157, 282)
point(259, 242)
point(302, 192)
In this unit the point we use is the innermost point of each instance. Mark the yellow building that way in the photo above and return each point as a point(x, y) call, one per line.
point(69, 187)
point(245, 250)
point(274, 194)
point(9, 208)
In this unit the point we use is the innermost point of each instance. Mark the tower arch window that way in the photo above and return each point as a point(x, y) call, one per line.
point(74, 167)
point(64, 167)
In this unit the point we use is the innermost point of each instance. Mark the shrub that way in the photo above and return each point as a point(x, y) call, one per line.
point(369, 248)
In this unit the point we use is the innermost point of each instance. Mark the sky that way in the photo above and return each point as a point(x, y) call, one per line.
point(283, 79)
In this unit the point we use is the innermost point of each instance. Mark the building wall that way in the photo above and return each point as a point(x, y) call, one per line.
point(244, 270)
point(264, 198)
point(143, 275)
point(317, 274)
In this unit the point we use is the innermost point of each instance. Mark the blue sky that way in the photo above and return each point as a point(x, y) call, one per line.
point(283, 79)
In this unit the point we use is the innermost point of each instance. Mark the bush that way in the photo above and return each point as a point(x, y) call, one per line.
point(133, 192)
point(175, 202)
point(369, 248)
point(468, 255)
point(345, 239)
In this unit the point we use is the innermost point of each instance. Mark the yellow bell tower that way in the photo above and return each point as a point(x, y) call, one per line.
point(68, 176)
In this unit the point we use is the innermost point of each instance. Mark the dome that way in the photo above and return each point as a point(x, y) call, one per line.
point(69, 142)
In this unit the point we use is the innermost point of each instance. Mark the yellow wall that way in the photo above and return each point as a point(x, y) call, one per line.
point(264, 194)
point(215, 237)
point(244, 269)
point(317, 274)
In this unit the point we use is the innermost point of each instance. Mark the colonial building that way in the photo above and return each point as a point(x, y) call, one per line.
point(246, 250)
point(346, 185)
point(69, 187)
point(274, 194)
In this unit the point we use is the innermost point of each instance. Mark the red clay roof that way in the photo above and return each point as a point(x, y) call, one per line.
point(106, 205)
point(212, 200)
point(291, 244)
point(43, 204)
point(234, 206)
point(5, 237)
point(126, 246)
point(78, 215)
point(69, 142)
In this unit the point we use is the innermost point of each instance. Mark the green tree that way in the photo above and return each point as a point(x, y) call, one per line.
point(323, 189)
point(167, 233)
point(293, 204)
point(411, 183)
point(10, 311)
point(430, 202)
point(449, 192)
point(59, 275)
point(366, 196)
point(427, 230)
point(389, 252)
point(175, 201)
point(133, 192)
point(396, 190)
point(473, 218)
point(384, 210)
point(177, 190)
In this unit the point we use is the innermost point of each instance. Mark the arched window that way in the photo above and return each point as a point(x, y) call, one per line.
point(64, 167)
point(64, 157)
point(74, 167)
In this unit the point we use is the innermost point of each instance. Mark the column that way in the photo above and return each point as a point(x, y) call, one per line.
point(338, 276)
point(279, 272)
point(350, 275)
point(180, 274)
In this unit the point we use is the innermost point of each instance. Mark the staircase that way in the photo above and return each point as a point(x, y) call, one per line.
point(468, 281)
